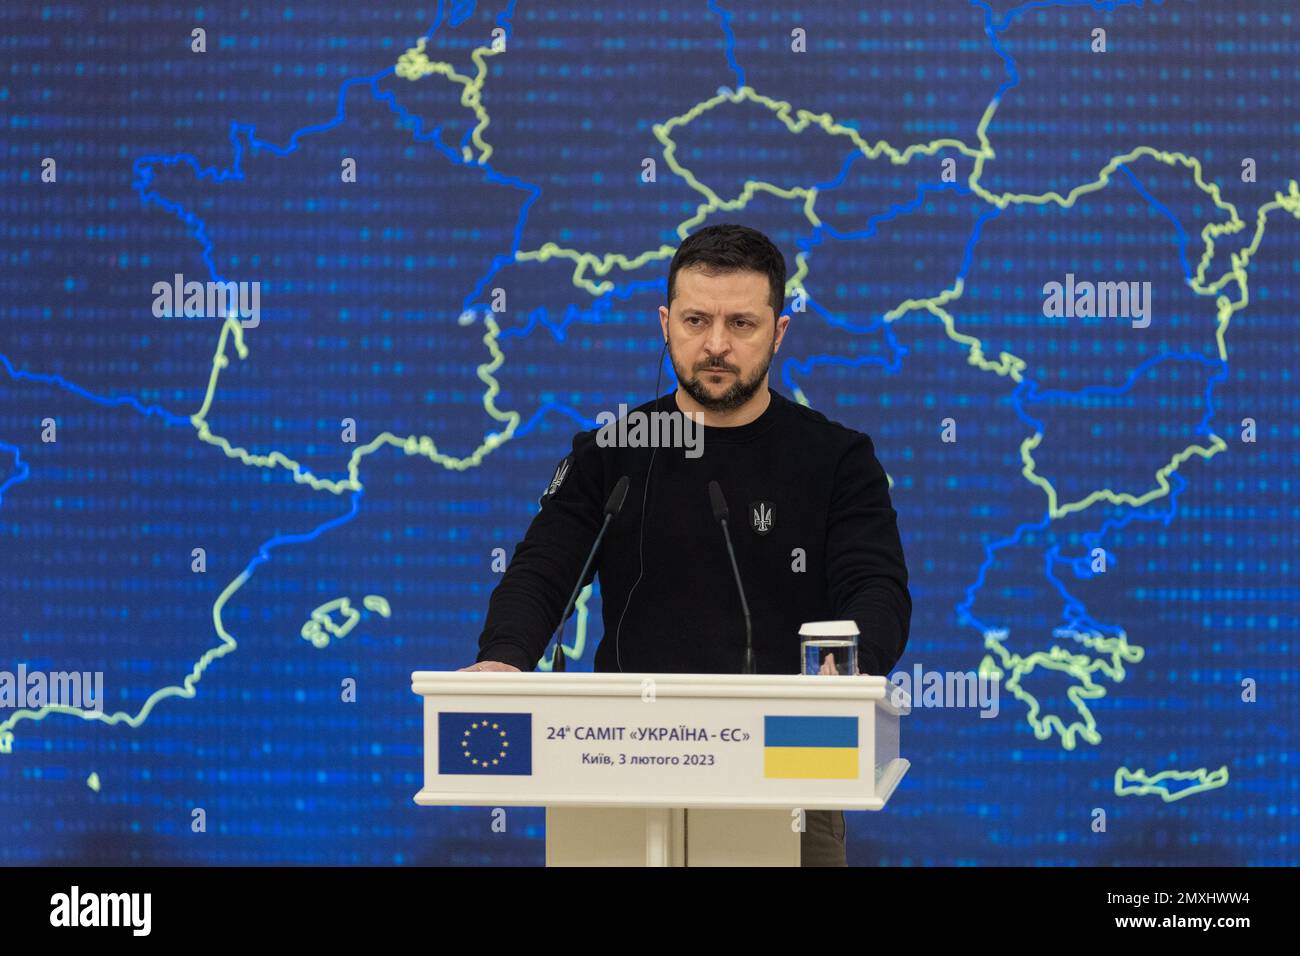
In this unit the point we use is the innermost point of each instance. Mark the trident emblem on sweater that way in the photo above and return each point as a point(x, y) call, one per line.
point(761, 517)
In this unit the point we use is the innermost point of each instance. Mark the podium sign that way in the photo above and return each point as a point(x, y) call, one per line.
point(658, 740)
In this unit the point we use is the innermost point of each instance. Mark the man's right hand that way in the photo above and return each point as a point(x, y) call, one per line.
point(490, 666)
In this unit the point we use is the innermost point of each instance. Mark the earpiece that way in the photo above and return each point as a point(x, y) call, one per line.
point(640, 548)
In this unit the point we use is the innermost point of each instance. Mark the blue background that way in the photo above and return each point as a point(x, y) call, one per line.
point(226, 164)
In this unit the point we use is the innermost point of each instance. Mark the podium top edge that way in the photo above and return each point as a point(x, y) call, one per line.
point(862, 687)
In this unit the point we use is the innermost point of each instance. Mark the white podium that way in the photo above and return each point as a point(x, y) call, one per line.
point(661, 769)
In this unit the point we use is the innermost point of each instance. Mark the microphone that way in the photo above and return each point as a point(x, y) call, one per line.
point(720, 513)
point(612, 507)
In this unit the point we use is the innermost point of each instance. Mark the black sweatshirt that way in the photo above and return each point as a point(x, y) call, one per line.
point(815, 537)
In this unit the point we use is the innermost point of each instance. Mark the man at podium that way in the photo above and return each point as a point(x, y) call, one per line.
point(813, 531)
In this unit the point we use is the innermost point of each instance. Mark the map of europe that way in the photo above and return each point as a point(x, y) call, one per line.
point(256, 523)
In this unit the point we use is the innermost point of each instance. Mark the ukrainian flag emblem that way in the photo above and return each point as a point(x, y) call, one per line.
point(485, 743)
point(810, 748)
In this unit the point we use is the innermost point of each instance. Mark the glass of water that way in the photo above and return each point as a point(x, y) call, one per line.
point(829, 648)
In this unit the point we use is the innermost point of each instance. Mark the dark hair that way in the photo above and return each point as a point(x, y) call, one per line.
point(729, 247)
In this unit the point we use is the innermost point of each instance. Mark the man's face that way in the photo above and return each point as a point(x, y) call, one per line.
point(721, 335)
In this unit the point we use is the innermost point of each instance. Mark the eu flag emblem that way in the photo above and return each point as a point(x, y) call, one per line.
point(810, 747)
point(485, 743)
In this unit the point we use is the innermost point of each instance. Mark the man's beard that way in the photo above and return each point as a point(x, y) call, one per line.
point(737, 395)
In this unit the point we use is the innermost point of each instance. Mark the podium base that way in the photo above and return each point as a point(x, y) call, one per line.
point(658, 836)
